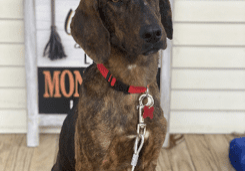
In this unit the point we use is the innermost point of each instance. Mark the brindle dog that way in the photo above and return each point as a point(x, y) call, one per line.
point(99, 133)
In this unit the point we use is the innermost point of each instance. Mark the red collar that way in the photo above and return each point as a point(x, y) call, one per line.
point(118, 85)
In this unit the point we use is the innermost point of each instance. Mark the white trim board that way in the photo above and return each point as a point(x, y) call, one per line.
point(31, 73)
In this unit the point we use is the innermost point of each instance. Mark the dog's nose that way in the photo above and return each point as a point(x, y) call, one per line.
point(151, 34)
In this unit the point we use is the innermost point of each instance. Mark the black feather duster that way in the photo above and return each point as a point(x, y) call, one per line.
point(54, 48)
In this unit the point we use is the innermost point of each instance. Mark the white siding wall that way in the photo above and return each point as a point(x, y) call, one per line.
point(12, 68)
point(208, 67)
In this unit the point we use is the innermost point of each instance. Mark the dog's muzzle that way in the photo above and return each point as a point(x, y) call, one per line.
point(151, 35)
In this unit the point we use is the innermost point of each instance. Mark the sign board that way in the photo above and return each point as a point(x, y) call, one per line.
point(58, 88)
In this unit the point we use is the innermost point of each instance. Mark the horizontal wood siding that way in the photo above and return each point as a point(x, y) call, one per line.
point(12, 55)
point(13, 121)
point(12, 68)
point(208, 57)
point(12, 31)
point(208, 100)
point(207, 121)
point(195, 34)
point(209, 11)
point(13, 98)
point(11, 9)
point(12, 77)
point(208, 79)
point(208, 67)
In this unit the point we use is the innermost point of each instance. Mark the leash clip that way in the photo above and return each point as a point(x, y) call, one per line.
point(150, 100)
point(141, 127)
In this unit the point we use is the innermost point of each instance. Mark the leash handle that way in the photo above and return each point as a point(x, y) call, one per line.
point(137, 150)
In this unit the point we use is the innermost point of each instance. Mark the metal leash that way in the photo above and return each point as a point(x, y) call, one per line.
point(141, 128)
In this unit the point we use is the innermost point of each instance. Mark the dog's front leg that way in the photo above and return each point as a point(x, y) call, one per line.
point(152, 166)
point(148, 163)
point(151, 152)
point(82, 162)
point(119, 154)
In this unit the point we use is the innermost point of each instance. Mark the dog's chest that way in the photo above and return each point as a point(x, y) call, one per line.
point(120, 118)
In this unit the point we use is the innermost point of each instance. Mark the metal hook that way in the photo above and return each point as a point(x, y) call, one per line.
point(150, 100)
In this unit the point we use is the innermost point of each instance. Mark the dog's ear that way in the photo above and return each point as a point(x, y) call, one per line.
point(166, 17)
point(89, 32)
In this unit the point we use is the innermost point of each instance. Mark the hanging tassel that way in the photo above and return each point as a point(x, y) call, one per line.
point(54, 48)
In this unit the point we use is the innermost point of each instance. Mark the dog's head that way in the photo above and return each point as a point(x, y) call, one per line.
point(134, 26)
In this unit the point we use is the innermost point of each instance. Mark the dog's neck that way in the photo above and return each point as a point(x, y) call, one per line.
point(133, 70)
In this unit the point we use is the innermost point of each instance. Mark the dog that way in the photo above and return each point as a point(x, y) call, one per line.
point(123, 38)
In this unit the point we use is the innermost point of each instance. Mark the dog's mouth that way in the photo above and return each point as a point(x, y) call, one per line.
point(151, 51)
point(153, 48)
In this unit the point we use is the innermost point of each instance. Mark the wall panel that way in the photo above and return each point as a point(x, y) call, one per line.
point(13, 121)
point(207, 100)
point(11, 9)
point(209, 11)
point(208, 79)
point(208, 67)
point(220, 122)
point(208, 57)
point(12, 55)
point(209, 34)
point(12, 77)
point(12, 98)
point(11, 31)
